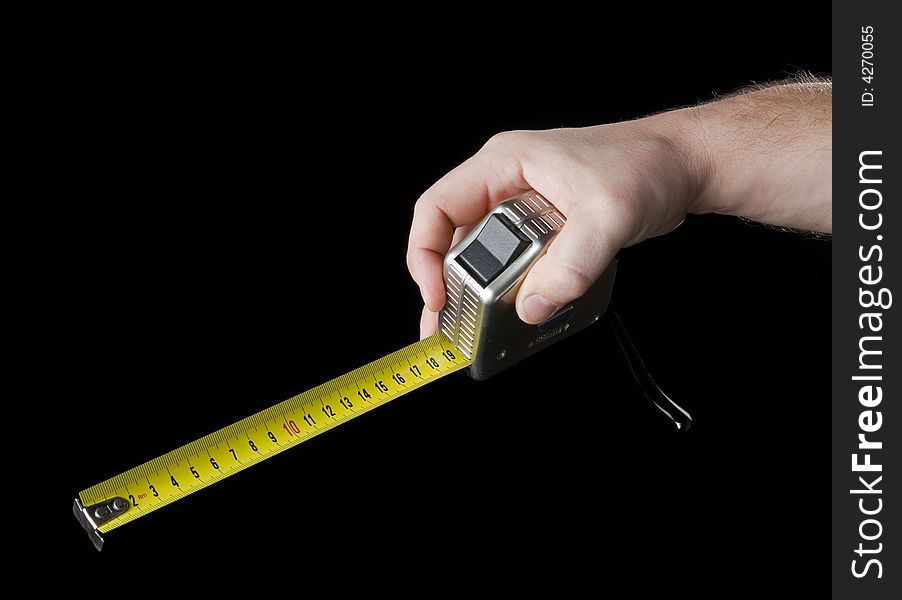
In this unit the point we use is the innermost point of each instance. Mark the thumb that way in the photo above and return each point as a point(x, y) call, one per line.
point(575, 259)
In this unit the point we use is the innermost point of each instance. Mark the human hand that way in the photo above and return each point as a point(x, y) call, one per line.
point(764, 155)
point(616, 184)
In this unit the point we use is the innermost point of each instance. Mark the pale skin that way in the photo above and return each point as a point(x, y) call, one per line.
point(763, 155)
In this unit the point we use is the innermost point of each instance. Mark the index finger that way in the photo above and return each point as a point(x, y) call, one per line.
point(461, 197)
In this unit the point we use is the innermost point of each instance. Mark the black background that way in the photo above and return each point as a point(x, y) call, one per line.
point(194, 293)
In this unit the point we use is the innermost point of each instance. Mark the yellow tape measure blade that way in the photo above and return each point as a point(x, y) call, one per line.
point(172, 476)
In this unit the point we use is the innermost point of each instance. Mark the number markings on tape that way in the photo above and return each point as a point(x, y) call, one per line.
point(201, 463)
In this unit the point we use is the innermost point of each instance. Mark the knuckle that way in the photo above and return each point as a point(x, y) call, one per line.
point(506, 139)
point(422, 201)
point(428, 209)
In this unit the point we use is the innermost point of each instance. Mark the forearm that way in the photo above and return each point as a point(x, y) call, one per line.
point(764, 155)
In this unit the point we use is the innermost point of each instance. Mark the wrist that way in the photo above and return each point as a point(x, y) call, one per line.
point(685, 132)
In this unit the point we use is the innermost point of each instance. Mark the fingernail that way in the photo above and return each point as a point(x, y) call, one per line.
point(537, 309)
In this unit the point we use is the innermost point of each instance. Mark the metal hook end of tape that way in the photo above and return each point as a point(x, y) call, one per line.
point(92, 517)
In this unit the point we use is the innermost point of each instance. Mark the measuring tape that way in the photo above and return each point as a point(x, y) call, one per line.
point(171, 477)
point(478, 327)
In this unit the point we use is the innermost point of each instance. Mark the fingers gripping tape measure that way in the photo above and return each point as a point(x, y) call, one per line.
point(479, 329)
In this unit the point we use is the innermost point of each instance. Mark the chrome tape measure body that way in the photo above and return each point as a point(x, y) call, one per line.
point(479, 328)
point(483, 274)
